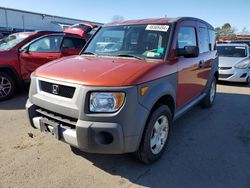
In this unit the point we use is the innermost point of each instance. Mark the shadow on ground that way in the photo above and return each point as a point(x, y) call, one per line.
point(236, 84)
point(17, 102)
point(207, 148)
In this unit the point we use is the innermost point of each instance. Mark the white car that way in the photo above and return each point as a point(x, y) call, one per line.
point(234, 62)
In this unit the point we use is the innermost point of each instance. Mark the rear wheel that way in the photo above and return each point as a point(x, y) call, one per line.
point(7, 86)
point(155, 136)
point(208, 101)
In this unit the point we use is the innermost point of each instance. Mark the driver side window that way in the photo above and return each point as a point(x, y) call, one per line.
point(50, 43)
point(187, 37)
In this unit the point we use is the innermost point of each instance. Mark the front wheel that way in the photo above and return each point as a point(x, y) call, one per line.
point(7, 86)
point(155, 136)
point(208, 101)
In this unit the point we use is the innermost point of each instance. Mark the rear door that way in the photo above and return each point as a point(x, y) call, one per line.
point(190, 78)
point(39, 52)
point(206, 56)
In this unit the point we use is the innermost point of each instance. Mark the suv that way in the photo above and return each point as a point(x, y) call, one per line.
point(21, 53)
point(130, 82)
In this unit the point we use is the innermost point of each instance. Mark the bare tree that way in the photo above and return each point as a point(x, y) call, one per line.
point(244, 31)
point(117, 18)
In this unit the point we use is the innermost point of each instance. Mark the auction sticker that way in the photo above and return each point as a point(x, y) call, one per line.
point(163, 28)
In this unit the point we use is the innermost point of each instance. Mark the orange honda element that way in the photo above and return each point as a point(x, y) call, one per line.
point(128, 85)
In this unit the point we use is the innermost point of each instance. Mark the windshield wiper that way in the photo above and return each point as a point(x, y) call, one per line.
point(88, 53)
point(128, 55)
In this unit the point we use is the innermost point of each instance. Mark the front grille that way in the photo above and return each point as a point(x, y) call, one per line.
point(225, 68)
point(225, 75)
point(59, 118)
point(57, 89)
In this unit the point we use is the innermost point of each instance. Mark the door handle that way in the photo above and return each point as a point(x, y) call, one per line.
point(201, 64)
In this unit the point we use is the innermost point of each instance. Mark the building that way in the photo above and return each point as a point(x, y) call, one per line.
point(222, 39)
point(13, 20)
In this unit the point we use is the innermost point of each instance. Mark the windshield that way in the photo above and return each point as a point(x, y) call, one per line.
point(241, 42)
point(232, 51)
point(10, 41)
point(138, 41)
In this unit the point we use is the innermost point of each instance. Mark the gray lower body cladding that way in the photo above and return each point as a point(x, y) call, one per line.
point(118, 132)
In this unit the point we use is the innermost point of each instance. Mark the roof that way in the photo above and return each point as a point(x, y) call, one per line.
point(157, 21)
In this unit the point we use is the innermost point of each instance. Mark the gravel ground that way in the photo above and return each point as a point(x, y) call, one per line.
point(207, 148)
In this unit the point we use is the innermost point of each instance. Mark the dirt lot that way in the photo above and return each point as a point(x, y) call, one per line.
point(208, 148)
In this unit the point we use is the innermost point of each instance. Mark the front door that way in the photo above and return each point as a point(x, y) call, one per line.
point(39, 52)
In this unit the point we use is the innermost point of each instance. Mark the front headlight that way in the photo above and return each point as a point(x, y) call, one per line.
point(106, 101)
point(242, 65)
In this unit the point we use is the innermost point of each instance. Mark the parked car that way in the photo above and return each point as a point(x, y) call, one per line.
point(21, 53)
point(124, 99)
point(234, 62)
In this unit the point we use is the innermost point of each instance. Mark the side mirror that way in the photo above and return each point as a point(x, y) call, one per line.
point(188, 51)
point(24, 50)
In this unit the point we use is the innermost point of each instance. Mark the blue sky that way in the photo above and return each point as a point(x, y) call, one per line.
point(216, 12)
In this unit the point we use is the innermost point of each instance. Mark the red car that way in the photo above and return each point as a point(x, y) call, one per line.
point(21, 53)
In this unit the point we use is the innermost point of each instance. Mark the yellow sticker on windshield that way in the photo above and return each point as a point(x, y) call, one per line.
point(163, 28)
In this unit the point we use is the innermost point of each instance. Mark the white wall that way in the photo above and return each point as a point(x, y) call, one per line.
point(32, 21)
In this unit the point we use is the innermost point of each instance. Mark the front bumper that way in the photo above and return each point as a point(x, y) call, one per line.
point(234, 75)
point(115, 133)
point(89, 136)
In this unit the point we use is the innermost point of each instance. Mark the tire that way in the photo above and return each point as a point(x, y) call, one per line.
point(149, 152)
point(7, 86)
point(208, 101)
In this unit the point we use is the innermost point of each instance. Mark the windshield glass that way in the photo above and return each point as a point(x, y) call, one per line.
point(138, 41)
point(10, 41)
point(232, 51)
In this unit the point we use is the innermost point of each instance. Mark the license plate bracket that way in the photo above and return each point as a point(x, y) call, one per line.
point(50, 127)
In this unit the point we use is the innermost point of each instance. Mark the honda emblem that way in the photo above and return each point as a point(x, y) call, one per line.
point(55, 89)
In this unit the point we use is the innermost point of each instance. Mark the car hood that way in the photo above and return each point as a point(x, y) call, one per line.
point(96, 71)
point(230, 61)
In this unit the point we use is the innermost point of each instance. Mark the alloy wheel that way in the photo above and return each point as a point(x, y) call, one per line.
point(5, 87)
point(159, 134)
point(212, 91)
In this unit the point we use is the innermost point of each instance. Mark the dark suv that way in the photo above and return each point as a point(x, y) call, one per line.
point(130, 82)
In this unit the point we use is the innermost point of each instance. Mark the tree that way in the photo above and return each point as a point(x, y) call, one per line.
point(225, 30)
point(117, 18)
point(244, 31)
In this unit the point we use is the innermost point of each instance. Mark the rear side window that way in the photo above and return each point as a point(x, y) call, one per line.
point(187, 37)
point(70, 42)
point(203, 44)
point(212, 39)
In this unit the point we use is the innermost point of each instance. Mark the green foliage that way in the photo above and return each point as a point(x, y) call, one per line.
point(225, 30)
